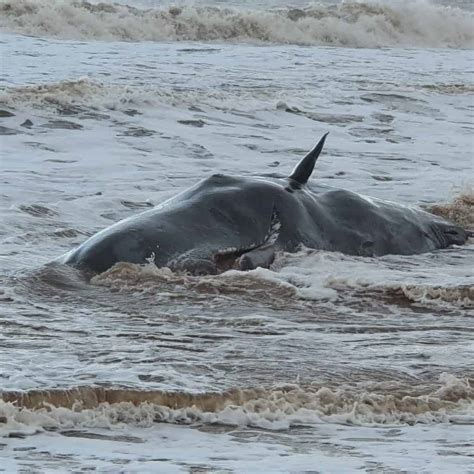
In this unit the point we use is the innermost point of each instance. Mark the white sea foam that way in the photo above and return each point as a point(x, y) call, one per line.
point(352, 24)
point(71, 94)
point(276, 408)
point(431, 279)
point(74, 96)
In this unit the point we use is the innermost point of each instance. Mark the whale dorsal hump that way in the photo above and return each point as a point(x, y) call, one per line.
point(304, 168)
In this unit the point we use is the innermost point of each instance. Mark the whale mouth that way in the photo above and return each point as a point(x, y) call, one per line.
point(260, 254)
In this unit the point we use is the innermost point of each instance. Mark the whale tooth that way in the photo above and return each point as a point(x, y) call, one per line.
point(151, 258)
point(227, 250)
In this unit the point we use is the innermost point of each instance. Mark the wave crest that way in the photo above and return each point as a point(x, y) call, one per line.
point(275, 408)
point(352, 24)
point(460, 210)
point(308, 275)
point(63, 94)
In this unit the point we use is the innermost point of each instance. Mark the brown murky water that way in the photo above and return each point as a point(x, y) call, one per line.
point(360, 363)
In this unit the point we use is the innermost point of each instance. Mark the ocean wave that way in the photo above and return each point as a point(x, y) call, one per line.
point(461, 296)
point(277, 408)
point(459, 211)
point(145, 279)
point(314, 276)
point(72, 96)
point(350, 24)
point(396, 280)
point(75, 96)
point(451, 89)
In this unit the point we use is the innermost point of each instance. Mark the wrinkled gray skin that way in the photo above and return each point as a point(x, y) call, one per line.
point(237, 222)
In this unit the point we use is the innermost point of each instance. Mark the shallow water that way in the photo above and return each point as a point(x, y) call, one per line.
point(324, 361)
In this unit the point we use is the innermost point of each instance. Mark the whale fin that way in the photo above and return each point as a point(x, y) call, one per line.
point(304, 168)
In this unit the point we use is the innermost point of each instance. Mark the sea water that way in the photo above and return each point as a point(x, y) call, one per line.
point(322, 363)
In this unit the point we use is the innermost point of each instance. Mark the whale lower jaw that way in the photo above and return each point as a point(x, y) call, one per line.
point(245, 259)
point(208, 260)
point(255, 255)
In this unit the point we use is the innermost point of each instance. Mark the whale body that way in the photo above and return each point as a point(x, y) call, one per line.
point(240, 222)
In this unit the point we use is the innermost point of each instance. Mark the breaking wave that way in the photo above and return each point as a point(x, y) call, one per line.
point(274, 408)
point(84, 94)
point(351, 24)
point(461, 296)
point(72, 96)
point(460, 210)
point(75, 96)
point(306, 276)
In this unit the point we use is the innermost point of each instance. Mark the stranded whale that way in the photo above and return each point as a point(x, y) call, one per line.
point(238, 222)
